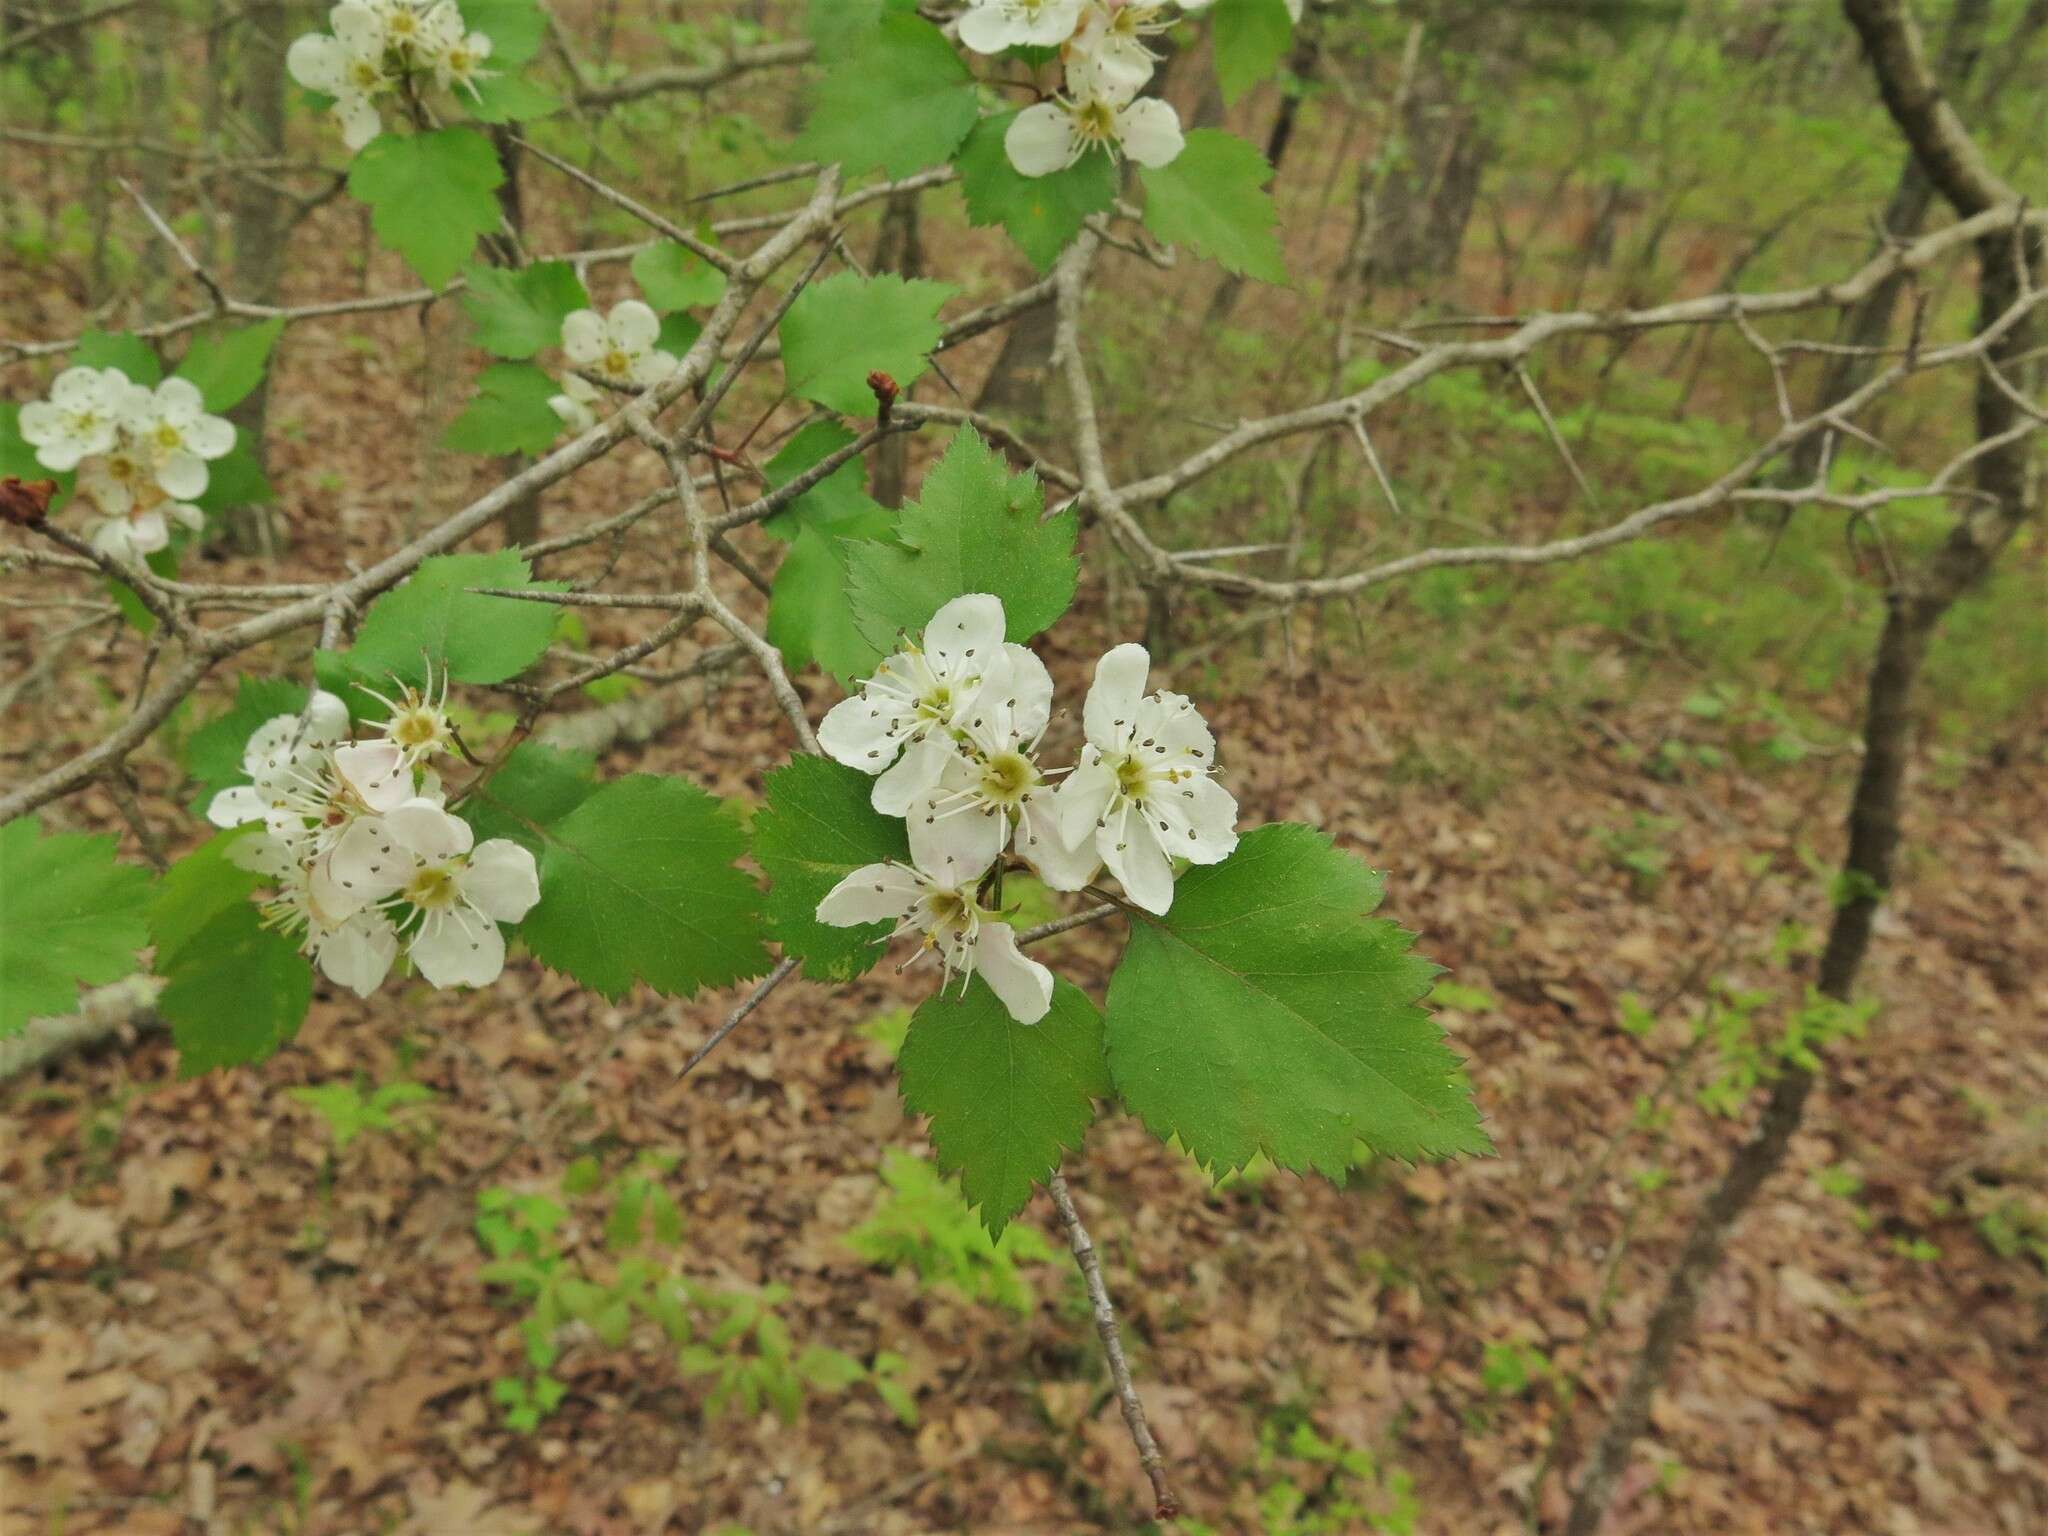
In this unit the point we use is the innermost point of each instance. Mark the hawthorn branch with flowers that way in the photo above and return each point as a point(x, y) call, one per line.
point(1258, 1008)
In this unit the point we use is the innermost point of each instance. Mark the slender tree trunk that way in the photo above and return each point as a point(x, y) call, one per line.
point(2006, 479)
point(261, 219)
point(899, 249)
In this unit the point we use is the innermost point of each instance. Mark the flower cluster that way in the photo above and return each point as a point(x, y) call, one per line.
point(140, 453)
point(1104, 53)
point(617, 348)
point(951, 727)
point(362, 853)
point(381, 47)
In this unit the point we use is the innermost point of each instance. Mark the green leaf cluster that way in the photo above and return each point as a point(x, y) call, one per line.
point(71, 915)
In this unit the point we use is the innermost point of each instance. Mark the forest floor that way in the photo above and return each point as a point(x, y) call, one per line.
point(209, 1320)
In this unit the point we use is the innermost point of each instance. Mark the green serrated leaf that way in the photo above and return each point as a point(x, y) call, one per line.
point(675, 277)
point(213, 753)
point(518, 312)
point(842, 329)
point(70, 916)
point(195, 891)
point(975, 527)
point(117, 349)
point(841, 497)
point(900, 100)
point(838, 25)
point(1041, 213)
point(434, 619)
point(1249, 38)
point(510, 413)
point(430, 195)
point(638, 883)
point(1211, 198)
point(810, 611)
point(516, 28)
point(1004, 1099)
point(235, 991)
point(227, 365)
point(509, 98)
point(816, 825)
point(1266, 1013)
point(536, 787)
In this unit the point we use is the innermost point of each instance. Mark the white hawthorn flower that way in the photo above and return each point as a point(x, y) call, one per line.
point(577, 403)
point(81, 417)
point(418, 725)
point(901, 723)
point(172, 429)
point(141, 531)
point(1110, 49)
point(278, 752)
point(357, 952)
point(990, 26)
point(1097, 114)
point(1143, 788)
point(418, 855)
point(618, 347)
point(965, 936)
point(457, 56)
point(120, 479)
point(348, 66)
point(992, 794)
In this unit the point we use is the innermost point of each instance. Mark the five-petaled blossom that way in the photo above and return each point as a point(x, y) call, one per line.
point(618, 347)
point(417, 856)
point(1095, 112)
point(966, 936)
point(349, 66)
point(1143, 788)
point(81, 417)
point(992, 794)
point(901, 723)
point(140, 453)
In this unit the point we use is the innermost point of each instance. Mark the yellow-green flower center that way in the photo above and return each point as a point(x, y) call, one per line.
point(432, 887)
point(1007, 777)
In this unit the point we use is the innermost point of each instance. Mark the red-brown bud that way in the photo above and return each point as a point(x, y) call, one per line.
point(25, 502)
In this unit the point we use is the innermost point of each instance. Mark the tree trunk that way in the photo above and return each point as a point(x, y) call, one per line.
point(898, 249)
point(1426, 200)
point(260, 225)
point(2005, 479)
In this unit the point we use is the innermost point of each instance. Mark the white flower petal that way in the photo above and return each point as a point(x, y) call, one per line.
point(913, 775)
point(1130, 847)
point(210, 437)
point(182, 474)
point(501, 881)
point(653, 367)
point(633, 326)
point(583, 337)
point(326, 718)
point(1149, 130)
point(366, 864)
point(358, 954)
point(1112, 705)
point(870, 894)
point(1021, 984)
point(76, 387)
point(148, 533)
point(1083, 797)
point(458, 948)
point(264, 853)
point(316, 62)
point(965, 635)
point(237, 806)
point(179, 400)
point(987, 28)
point(1030, 690)
point(1041, 140)
point(360, 120)
point(377, 772)
point(965, 842)
point(863, 733)
point(1200, 817)
point(1062, 865)
point(430, 833)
